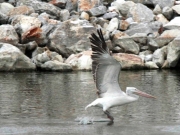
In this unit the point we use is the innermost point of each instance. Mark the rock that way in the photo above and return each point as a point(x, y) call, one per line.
point(167, 12)
point(55, 66)
point(123, 25)
point(163, 3)
point(157, 10)
point(8, 34)
point(110, 15)
point(3, 18)
point(159, 56)
point(81, 61)
point(5, 8)
point(161, 18)
point(26, 26)
point(173, 52)
point(113, 25)
point(98, 11)
point(71, 5)
point(138, 16)
point(65, 15)
point(21, 10)
point(140, 38)
point(12, 59)
point(148, 28)
point(85, 5)
point(84, 15)
point(59, 3)
point(173, 24)
point(72, 33)
point(176, 8)
point(129, 61)
point(123, 6)
point(125, 42)
point(166, 37)
point(165, 65)
point(41, 7)
point(50, 61)
point(151, 65)
point(152, 44)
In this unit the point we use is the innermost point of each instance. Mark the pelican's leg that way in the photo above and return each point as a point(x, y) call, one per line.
point(110, 117)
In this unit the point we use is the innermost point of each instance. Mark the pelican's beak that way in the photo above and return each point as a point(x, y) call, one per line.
point(143, 94)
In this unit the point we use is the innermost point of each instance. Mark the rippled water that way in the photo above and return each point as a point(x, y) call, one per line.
point(46, 102)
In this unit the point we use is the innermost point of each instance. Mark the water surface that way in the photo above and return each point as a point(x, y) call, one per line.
point(49, 102)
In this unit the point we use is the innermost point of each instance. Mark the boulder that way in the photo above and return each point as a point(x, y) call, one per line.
point(59, 3)
point(173, 24)
point(26, 26)
point(85, 5)
point(176, 8)
point(71, 5)
point(173, 52)
point(151, 65)
point(161, 18)
point(125, 42)
point(8, 34)
point(73, 34)
point(113, 25)
point(21, 10)
point(48, 60)
point(5, 8)
point(65, 15)
point(148, 28)
point(167, 12)
point(123, 25)
point(81, 61)
point(3, 18)
point(98, 11)
point(84, 15)
point(12, 59)
point(129, 61)
point(157, 10)
point(163, 3)
point(41, 7)
point(140, 38)
point(110, 15)
point(138, 16)
point(159, 56)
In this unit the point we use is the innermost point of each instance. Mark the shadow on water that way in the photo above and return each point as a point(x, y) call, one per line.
point(48, 102)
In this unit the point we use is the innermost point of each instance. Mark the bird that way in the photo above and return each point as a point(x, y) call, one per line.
point(106, 70)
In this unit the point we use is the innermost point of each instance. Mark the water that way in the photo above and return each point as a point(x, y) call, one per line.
point(49, 102)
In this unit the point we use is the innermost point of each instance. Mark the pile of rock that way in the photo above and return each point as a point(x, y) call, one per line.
point(54, 34)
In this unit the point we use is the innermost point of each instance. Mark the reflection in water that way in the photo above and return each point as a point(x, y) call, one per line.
point(63, 96)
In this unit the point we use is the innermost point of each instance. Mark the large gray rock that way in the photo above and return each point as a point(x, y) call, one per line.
point(163, 3)
point(173, 24)
point(129, 61)
point(176, 8)
point(138, 16)
point(173, 50)
point(8, 34)
point(167, 12)
point(162, 19)
point(157, 10)
point(3, 18)
point(98, 11)
point(5, 8)
point(81, 61)
point(71, 34)
point(159, 56)
point(21, 10)
point(48, 60)
point(12, 59)
point(125, 42)
point(123, 6)
point(148, 28)
point(41, 7)
point(26, 26)
point(71, 5)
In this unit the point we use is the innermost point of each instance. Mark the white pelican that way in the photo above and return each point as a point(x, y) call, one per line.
point(106, 76)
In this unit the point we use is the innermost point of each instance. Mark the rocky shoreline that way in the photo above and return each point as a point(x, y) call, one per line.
point(53, 35)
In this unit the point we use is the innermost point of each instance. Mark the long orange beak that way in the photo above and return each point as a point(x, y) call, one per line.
point(143, 94)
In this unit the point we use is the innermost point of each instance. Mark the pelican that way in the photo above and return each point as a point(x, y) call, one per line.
point(106, 71)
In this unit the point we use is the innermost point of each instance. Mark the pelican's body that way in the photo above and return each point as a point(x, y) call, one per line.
point(106, 76)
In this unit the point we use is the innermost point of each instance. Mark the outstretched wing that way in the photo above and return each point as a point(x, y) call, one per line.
point(104, 67)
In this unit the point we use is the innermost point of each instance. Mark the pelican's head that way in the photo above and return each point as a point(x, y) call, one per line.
point(132, 91)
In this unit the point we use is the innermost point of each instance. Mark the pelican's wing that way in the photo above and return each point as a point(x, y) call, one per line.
point(104, 67)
